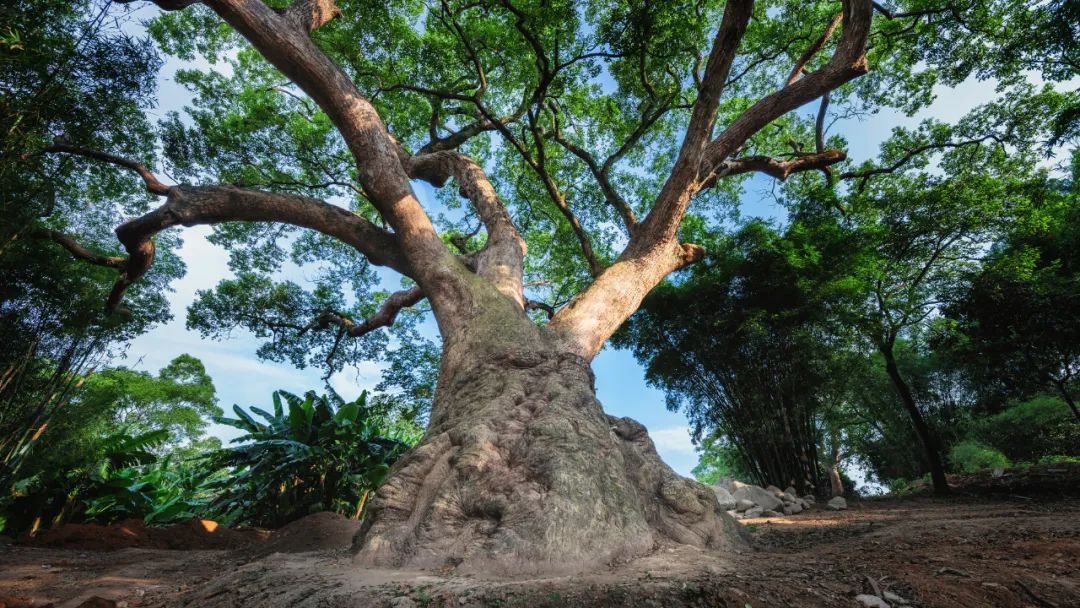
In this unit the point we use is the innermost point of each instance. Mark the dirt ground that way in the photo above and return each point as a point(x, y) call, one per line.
point(969, 551)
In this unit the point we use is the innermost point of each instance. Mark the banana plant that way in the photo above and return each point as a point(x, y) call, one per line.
point(311, 453)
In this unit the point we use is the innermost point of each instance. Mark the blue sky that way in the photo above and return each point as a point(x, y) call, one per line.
point(242, 379)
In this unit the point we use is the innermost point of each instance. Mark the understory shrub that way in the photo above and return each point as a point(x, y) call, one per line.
point(971, 456)
point(1030, 430)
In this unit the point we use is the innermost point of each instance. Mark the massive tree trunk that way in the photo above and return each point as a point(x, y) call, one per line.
point(926, 436)
point(520, 465)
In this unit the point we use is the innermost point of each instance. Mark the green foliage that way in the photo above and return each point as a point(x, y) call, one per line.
point(717, 461)
point(1030, 430)
point(67, 70)
point(177, 403)
point(312, 453)
point(160, 493)
point(54, 495)
point(972, 456)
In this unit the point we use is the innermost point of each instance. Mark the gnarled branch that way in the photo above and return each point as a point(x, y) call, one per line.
point(191, 205)
point(384, 317)
point(781, 169)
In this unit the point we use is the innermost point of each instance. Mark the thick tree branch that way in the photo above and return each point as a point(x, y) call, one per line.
point(501, 261)
point(153, 184)
point(781, 169)
point(310, 15)
point(77, 250)
point(653, 252)
point(847, 62)
point(677, 189)
point(191, 206)
point(379, 166)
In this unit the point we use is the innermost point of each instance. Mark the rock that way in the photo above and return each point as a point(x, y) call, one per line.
point(837, 503)
point(726, 500)
point(895, 599)
point(758, 496)
point(871, 601)
point(791, 490)
point(771, 513)
point(402, 602)
point(809, 498)
point(795, 509)
point(97, 601)
point(743, 504)
point(787, 510)
point(775, 491)
point(788, 497)
point(755, 512)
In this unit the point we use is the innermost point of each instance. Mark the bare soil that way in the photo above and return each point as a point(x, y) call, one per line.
point(973, 551)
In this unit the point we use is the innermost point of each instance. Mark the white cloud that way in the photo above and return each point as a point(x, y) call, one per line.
point(675, 439)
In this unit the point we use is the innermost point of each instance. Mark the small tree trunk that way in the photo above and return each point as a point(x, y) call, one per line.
point(836, 484)
point(1068, 398)
point(520, 465)
point(926, 436)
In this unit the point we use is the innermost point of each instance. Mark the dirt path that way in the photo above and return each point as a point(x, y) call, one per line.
point(974, 553)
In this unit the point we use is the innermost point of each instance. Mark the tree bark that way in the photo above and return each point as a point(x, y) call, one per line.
point(521, 468)
point(926, 436)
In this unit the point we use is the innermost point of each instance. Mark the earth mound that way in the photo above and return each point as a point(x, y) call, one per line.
point(316, 532)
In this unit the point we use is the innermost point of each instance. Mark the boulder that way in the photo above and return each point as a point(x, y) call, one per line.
point(771, 513)
point(871, 601)
point(758, 496)
point(755, 512)
point(775, 491)
point(729, 484)
point(837, 503)
point(726, 500)
point(787, 510)
point(791, 490)
point(809, 498)
point(895, 599)
point(743, 504)
point(794, 509)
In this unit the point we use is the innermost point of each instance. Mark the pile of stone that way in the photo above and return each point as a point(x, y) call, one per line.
point(744, 500)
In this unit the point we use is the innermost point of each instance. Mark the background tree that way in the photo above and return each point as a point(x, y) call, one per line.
point(655, 106)
point(66, 70)
point(744, 346)
point(1015, 327)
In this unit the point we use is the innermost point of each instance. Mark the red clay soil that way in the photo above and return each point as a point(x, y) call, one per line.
point(133, 533)
point(1007, 551)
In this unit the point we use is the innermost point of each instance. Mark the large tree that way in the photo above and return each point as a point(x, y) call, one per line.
point(595, 128)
